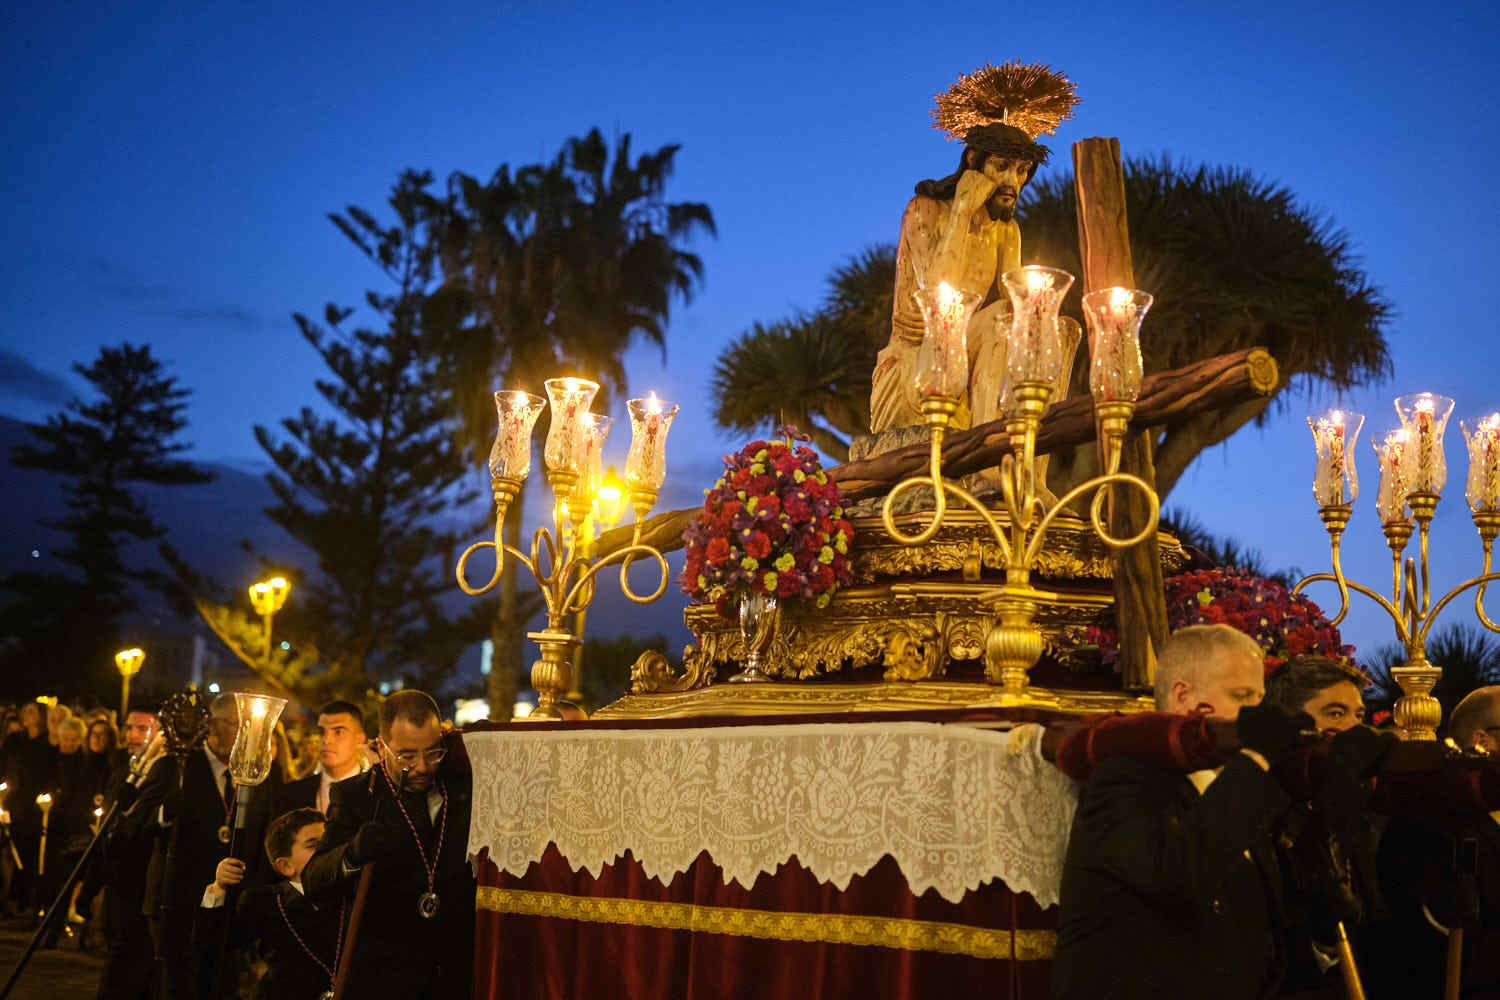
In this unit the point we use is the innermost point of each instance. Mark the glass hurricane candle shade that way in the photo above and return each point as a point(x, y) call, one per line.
point(1424, 417)
point(1483, 487)
point(646, 462)
point(570, 399)
point(591, 454)
point(1114, 317)
point(510, 458)
point(1391, 457)
point(1335, 433)
point(1035, 352)
point(943, 358)
point(254, 752)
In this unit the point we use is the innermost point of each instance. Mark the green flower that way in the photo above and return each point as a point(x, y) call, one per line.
point(770, 583)
point(756, 469)
point(825, 555)
point(841, 543)
point(749, 564)
point(798, 475)
point(823, 600)
point(760, 456)
point(1205, 597)
point(786, 562)
point(750, 504)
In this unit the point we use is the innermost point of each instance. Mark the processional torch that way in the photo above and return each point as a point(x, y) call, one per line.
point(184, 724)
point(44, 803)
point(250, 762)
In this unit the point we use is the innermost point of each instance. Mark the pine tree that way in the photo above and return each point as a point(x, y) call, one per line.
point(67, 623)
point(367, 491)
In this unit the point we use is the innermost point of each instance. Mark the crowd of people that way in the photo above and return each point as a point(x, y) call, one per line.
point(192, 900)
point(1256, 880)
point(1236, 881)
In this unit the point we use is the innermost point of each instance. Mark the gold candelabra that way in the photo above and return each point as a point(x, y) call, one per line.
point(1038, 365)
point(1413, 472)
point(561, 558)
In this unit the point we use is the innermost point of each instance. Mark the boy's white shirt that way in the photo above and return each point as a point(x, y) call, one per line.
point(213, 900)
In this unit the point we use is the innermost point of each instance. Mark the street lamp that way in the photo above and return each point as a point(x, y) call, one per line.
point(128, 661)
point(267, 597)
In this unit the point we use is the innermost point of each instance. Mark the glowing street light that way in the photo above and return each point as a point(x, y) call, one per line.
point(268, 597)
point(128, 662)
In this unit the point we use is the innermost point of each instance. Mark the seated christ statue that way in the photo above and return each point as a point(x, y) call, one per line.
point(960, 229)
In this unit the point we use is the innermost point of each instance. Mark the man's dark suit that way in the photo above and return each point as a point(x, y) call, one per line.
point(1405, 955)
point(175, 881)
point(291, 974)
point(1166, 893)
point(400, 953)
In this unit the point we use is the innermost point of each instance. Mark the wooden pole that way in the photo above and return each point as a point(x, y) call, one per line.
point(1104, 246)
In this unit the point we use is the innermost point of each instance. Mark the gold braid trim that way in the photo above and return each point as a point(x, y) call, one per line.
point(821, 928)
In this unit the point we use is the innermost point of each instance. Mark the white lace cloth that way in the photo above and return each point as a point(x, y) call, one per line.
point(954, 806)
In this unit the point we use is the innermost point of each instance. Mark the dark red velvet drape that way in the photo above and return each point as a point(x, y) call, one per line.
point(569, 934)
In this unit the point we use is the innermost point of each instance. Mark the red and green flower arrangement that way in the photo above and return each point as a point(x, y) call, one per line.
point(1285, 624)
point(773, 522)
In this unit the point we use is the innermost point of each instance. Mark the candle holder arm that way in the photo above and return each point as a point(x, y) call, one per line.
point(585, 584)
point(1479, 582)
point(1096, 519)
point(460, 571)
point(1346, 585)
point(941, 490)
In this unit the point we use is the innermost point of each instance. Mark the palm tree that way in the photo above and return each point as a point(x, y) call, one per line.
point(814, 370)
point(556, 267)
point(1233, 261)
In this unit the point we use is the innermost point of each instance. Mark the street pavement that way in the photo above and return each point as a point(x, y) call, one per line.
point(61, 973)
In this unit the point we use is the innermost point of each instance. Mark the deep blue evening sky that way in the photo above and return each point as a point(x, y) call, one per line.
point(167, 169)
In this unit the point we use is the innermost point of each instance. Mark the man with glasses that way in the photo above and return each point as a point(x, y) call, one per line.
point(409, 818)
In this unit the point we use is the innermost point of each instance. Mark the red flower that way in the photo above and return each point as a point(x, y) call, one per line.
point(718, 550)
point(757, 546)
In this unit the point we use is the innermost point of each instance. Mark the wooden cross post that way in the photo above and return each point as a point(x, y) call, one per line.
point(1104, 246)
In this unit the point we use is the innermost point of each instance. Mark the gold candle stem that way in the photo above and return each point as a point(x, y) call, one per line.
point(1397, 534)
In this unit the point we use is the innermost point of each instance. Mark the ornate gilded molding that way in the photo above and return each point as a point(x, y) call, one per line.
point(768, 925)
point(790, 698)
point(964, 544)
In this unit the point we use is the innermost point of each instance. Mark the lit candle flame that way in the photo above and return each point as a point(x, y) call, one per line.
point(258, 709)
point(1119, 298)
point(653, 405)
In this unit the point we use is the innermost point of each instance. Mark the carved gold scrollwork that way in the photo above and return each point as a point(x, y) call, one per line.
point(652, 672)
point(914, 652)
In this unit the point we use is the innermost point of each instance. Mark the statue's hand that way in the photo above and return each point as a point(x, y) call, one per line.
point(974, 189)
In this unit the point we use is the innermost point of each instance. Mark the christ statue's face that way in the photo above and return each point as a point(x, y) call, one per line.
point(1010, 176)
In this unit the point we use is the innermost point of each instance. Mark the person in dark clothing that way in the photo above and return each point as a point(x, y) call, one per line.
point(124, 856)
point(297, 938)
point(341, 754)
point(185, 808)
point(1170, 886)
point(409, 816)
point(30, 762)
point(1441, 874)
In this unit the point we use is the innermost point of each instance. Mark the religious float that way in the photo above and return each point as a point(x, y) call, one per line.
point(849, 787)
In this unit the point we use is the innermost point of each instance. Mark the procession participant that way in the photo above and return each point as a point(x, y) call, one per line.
point(190, 834)
point(1324, 688)
point(296, 938)
point(341, 726)
point(1441, 876)
point(125, 855)
point(1326, 844)
point(410, 817)
point(1168, 887)
point(30, 761)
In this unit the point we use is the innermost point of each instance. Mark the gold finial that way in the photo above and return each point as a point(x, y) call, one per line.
point(1033, 97)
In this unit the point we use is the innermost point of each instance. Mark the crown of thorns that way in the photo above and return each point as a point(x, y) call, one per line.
point(1030, 97)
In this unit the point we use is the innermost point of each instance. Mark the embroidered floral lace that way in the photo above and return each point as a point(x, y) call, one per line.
point(954, 806)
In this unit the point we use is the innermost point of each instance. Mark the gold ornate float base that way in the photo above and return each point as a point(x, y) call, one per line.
point(791, 698)
point(909, 634)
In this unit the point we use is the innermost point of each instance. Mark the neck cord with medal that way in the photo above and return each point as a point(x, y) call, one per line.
point(338, 944)
point(228, 802)
point(428, 902)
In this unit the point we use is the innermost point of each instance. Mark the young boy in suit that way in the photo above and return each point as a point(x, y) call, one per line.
point(297, 939)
